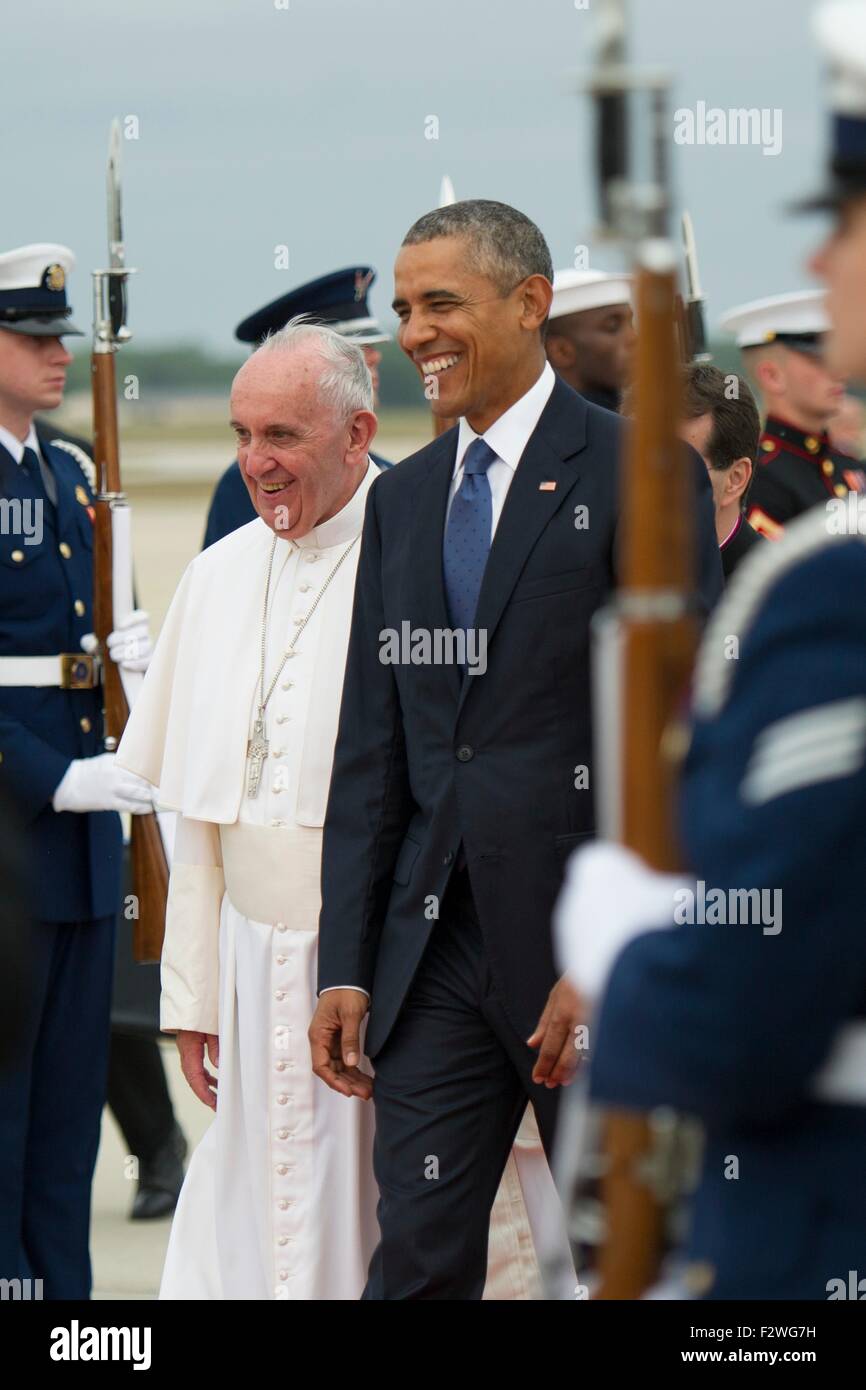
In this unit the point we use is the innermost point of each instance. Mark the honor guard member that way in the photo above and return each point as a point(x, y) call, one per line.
point(782, 340)
point(66, 789)
point(338, 300)
point(721, 421)
point(773, 798)
point(590, 333)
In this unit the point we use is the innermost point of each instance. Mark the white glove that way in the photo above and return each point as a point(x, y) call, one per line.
point(130, 643)
point(99, 784)
point(609, 897)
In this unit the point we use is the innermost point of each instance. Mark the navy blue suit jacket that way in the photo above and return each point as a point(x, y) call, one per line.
point(731, 1023)
point(426, 760)
point(77, 858)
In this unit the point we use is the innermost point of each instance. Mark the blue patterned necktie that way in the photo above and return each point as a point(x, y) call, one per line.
point(467, 535)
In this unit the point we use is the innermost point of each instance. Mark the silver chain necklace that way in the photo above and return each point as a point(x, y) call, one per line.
point(257, 746)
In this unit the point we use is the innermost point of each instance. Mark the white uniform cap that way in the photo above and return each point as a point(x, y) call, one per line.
point(840, 28)
point(577, 290)
point(33, 290)
point(798, 319)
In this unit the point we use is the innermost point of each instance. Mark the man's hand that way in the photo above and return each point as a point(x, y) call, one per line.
point(558, 1058)
point(192, 1047)
point(335, 1045)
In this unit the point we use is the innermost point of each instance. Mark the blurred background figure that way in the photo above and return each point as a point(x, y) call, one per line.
point(782, 343)
point(67, 791)
point(590, 333)
point(721, 421)
point(338, 300)
point(847, 428)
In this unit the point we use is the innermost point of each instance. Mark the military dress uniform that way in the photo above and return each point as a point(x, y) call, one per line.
point(796, 471)
point(338, 300)
point(52, 1088)
point(51, 1102)
point(773, 798)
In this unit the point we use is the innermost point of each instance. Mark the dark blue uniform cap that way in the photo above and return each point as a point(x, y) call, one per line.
point(33, 290)
point(338, 300)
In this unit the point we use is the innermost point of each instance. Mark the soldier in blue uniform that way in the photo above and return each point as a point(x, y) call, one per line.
point(338, 300)
point(66, 789)
point(759, 1029)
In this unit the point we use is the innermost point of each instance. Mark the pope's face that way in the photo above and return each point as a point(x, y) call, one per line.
point(841, 264)
point(300, 461)
point(32, 373)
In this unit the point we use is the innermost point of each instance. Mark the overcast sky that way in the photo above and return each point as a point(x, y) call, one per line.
point(305, 126)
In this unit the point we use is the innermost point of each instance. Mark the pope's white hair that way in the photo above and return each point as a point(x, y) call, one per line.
point(345, 383)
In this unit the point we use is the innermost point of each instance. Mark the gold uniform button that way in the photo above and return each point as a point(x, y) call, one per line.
point(85, 724)
point(812, 444)
point(79, 608)
point(65, 550)
point(18, 556)
point(81, 496)
point(827, 468)
point(1, 757)
point(840, 490)
point(768, 446)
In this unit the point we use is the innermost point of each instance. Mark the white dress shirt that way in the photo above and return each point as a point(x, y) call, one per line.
point(508, 437)
point(14, 446)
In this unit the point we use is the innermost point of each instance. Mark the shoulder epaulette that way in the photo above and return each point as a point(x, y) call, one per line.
point(82, 458)
point(765, 525)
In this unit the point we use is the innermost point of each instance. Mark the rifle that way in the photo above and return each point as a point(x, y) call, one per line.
point(149, 863)
point(646, 640)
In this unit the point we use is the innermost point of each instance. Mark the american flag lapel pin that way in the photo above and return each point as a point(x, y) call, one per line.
point(548, 486)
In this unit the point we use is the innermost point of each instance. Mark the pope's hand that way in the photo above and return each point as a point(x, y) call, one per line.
point(130, 643)
point(558, 1058)
point(99, 784)
point(192, 1048)
point(335, 1045)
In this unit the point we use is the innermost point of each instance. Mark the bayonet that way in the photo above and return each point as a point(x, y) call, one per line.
point(694, 303)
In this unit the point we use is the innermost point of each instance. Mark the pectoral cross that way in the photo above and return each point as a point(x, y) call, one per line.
point(257, 751)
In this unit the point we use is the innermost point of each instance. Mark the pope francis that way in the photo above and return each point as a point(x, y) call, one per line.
point(236, 724)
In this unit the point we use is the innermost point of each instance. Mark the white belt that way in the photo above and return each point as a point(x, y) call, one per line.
point(842, 1079)
point(68, 670)
point(273, 875)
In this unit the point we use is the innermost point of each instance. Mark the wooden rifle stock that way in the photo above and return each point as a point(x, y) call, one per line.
point(659, 639)
point(149, 863)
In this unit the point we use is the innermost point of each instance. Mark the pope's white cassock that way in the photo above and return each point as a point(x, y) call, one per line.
point(279, 1200)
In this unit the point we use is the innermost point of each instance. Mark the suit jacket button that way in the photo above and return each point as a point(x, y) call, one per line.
point(465, 752)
